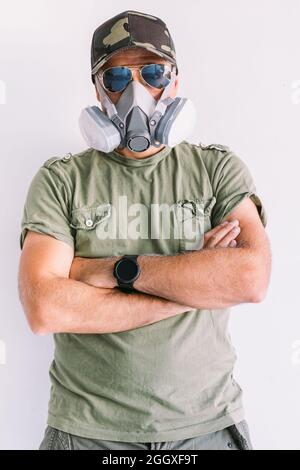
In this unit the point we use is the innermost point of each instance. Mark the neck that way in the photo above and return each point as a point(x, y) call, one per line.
point(147, 153)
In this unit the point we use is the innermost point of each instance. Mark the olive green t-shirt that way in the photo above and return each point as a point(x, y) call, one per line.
point(172, 379)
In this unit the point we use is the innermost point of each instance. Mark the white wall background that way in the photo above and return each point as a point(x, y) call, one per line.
point(239, 61)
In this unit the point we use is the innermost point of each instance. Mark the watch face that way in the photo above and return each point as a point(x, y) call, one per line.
point(127, 270)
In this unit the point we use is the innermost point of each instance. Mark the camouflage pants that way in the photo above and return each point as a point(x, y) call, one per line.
point(235, 437)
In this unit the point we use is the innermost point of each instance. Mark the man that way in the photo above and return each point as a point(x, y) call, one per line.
point(147, 364)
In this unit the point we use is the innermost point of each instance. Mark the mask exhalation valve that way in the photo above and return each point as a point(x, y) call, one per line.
point(137, 143)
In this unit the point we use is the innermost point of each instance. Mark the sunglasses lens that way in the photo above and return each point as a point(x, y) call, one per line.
point(156, 75)
point(116, 78)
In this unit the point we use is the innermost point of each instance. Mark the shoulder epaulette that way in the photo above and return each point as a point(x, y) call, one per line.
point(222, 148)
point(67, 158)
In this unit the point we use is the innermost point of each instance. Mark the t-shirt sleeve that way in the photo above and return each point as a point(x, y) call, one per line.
point(46, 208)
point(232, 182)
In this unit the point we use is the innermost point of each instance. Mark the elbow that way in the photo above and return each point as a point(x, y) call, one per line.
point(257, 286)
point(258, 295)
point(257, 274)
point(39, 329)
point(38, 324)
point(39, 313)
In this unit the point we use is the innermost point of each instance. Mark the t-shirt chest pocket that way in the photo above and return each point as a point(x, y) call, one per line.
point(193, 219)
point(92, 226)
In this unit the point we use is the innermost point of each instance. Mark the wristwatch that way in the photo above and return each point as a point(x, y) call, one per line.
point(126, 271)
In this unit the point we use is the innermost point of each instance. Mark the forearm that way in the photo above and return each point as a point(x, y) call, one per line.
point(69, 306)
point(208, 278)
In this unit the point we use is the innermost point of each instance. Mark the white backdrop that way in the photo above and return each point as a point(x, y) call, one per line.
point(239, 62)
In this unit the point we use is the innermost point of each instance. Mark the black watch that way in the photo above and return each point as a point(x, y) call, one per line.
point(126, 271)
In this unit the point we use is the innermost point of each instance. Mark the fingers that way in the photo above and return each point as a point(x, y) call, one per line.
point(229, 238)
point(214, 230)
point(222, 235)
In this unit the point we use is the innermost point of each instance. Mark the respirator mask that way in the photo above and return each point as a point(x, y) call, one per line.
point(137, 121)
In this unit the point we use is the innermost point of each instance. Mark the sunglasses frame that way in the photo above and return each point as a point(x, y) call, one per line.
point(132, 67)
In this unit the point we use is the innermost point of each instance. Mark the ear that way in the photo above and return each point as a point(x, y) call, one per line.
point(97, 94)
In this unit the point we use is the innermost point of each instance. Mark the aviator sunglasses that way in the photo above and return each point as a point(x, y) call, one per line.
point(116, 79)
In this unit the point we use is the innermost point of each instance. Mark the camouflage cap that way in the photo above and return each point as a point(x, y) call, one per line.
point(131, 29)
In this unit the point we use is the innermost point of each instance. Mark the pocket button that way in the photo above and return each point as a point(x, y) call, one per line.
point(89, 222)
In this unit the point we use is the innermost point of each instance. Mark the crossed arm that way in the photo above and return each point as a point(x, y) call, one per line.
point(208, 278)
point(77, 295)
